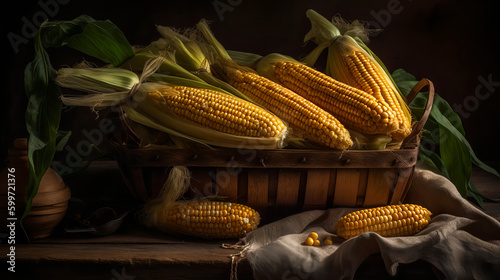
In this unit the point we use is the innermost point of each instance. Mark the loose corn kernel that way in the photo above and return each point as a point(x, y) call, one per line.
point(391, 220)
point(312, 239)
point(328, 240)
point(313, 235)
point(309, 241)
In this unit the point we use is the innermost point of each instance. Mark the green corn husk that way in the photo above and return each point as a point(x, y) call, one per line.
point(171, 72)
point(187, 53)
point(168, 65)
point(266, 64)
point(141, 109)
point(364, 141)
point(173, 80)
point(245, 58)
point(202, 26)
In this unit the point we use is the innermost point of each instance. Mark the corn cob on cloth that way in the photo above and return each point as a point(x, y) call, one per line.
point(461, 242)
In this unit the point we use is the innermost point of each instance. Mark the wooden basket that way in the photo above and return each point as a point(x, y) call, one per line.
point(281, 182)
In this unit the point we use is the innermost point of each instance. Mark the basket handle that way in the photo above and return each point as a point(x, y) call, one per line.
point(411, 140)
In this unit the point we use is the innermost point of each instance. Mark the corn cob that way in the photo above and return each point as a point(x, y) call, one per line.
point(364, 73)
point(391, 220)
point(191, 112)
point(354, 108)
point(350, 61)
point(304, 117)
point(197, 217)
point(208, 219)
point(216, 111)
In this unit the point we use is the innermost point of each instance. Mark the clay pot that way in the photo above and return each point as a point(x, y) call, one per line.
point(50, 203)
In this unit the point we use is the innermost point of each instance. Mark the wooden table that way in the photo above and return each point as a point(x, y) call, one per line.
point(134, 252)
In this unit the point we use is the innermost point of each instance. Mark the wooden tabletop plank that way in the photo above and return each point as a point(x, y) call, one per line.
point(127, 254)
point(149, 254)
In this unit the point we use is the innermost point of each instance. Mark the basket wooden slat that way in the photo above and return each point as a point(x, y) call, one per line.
point(288, 187)
point(280, 182)
point(284, 158)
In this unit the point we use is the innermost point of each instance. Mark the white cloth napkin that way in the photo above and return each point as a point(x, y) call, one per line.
point(461, 241)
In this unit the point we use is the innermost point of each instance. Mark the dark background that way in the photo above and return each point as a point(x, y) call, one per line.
point(450, 42)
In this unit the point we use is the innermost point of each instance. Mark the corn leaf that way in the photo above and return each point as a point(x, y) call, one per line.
point(433, 160)
point(100, 39)
point(444, 129)
point(63, 136)
point(42, 119)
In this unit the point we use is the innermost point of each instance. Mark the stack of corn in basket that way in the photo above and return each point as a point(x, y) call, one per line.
point(268, 132)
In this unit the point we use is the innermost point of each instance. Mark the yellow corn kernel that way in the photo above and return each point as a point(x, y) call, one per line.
point(316, 243)
point(328, 241)
point(313, 235)
point(309, 241)
point(390, 220)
